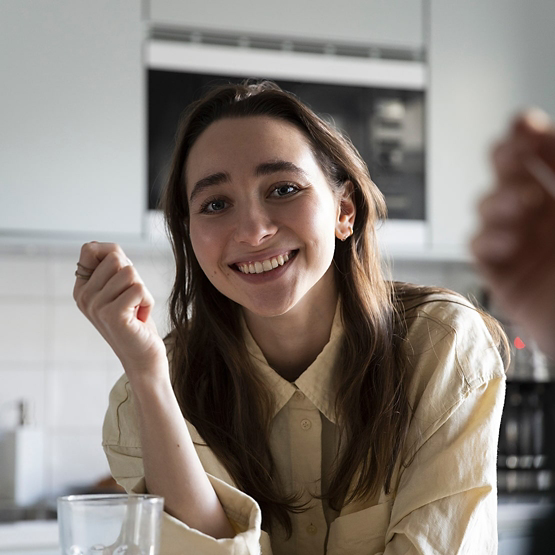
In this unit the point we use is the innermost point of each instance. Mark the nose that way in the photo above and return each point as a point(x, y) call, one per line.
point(254, 225)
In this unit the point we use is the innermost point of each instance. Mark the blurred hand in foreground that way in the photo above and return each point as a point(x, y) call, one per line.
point(515, 247)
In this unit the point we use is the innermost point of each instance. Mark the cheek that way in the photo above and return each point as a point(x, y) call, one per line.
point(203, 247)
point(321, 227)
point(208, 244)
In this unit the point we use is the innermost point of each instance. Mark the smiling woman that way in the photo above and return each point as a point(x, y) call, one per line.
point(302, 404)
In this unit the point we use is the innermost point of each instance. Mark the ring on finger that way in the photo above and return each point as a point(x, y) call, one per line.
point(89, 270)
point(82, 276)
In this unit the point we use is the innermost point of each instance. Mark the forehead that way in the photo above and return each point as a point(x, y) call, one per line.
point(238, 145)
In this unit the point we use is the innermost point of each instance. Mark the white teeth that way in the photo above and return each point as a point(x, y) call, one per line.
point(263, 266)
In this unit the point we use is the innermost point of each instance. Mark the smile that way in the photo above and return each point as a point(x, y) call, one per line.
point(262, 266)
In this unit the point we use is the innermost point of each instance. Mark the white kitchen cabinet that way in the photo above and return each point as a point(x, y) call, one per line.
point(393, 23)
point(487, 60)
point(71, 113)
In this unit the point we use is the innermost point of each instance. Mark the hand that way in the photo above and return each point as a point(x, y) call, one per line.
point(118, 304)
point(515, 249)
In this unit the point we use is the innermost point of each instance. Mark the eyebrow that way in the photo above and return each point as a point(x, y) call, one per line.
point(209, 181)
point(266, 168)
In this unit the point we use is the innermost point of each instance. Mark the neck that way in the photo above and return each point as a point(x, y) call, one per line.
point(291, 342)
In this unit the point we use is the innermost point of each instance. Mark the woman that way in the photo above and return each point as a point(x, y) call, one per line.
point(325, 409)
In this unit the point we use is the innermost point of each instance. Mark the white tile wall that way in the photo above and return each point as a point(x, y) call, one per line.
point(76, 460)
point(53, 357)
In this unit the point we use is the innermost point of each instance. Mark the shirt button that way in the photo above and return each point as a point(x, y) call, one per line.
point(311, 529)
point(306, 424)
point(299, 396)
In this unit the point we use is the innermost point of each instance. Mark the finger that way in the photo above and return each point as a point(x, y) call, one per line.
point(512, 204)
point(135, 303)
point(531, 134)
point(91, 256)
point(93, 253)
point(495, 247)
point(509, 156)
point(112, 264)
point(510, 285)
point(117, 283)
point(533, 122)
point(512, 250)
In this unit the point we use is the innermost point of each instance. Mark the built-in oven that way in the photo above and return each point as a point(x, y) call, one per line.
point(378, 103)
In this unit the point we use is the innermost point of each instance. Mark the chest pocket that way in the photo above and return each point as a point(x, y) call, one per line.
point(360, 533)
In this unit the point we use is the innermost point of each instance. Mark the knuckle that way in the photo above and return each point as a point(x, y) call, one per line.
point(87, 249)
point(115, 260)
point(115, 248)
point(129, 272)
point(138, 288)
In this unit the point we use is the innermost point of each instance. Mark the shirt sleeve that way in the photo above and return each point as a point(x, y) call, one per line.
point(447, 497)
point(446, 501)
point(121, 442)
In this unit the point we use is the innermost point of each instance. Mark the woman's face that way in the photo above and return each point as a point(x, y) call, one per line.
point(263, 217)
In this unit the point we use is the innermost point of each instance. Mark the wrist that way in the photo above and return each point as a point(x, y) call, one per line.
point(150, 378)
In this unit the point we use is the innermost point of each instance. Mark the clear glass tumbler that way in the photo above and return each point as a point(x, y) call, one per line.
point(110, 524)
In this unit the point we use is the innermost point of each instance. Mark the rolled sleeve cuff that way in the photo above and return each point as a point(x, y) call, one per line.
point(242, 511)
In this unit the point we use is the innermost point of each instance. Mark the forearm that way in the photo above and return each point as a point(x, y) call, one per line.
point(172, 467)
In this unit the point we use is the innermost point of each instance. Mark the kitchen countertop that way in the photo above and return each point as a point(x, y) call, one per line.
point(29, 537)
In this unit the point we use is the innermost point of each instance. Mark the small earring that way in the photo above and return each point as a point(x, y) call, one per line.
point(348, 234)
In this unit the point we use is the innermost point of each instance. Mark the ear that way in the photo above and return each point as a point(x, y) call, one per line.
point(346, 212)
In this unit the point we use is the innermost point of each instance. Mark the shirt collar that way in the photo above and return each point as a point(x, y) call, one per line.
point(316, 382)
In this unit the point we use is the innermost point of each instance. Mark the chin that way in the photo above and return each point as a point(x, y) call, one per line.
point(268, 308)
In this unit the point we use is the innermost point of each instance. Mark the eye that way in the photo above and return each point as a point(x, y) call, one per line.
point(285, 189)
point(212, 206)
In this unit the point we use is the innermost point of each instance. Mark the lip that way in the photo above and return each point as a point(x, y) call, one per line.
point(265, 277)
point(259, 257)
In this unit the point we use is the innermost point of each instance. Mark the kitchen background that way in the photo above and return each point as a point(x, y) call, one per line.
point(74, 141)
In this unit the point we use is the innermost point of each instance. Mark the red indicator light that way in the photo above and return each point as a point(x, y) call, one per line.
point(519, 344)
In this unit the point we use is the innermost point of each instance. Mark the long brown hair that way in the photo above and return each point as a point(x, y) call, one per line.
point(213, 377)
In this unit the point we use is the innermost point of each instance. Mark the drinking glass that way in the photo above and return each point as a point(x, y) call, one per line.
point(116, 524)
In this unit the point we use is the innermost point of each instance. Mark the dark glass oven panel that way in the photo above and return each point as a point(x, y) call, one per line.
point(385, 125)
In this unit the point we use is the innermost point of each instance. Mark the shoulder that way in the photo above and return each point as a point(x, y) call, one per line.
point(451, 354)
point(444, 330)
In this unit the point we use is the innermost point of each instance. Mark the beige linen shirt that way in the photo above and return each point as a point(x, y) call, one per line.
point(445, 502)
